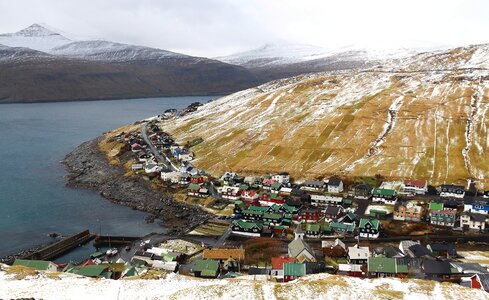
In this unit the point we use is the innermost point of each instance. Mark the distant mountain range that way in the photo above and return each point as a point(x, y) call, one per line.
point(38, 64)
point(43, 64)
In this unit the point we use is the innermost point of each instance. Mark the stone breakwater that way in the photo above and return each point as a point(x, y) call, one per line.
point(88, 168)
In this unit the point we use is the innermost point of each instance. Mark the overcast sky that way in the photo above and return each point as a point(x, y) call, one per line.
point(219, 27)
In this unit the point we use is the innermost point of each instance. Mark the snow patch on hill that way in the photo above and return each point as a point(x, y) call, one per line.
point(110, 51)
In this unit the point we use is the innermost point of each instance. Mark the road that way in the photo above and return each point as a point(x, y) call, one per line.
point(223, 237)
point(159, 157)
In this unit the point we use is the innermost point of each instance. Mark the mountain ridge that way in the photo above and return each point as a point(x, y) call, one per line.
point(423, 117)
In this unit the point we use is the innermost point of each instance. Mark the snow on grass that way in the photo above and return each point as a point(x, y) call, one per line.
point(320, 286)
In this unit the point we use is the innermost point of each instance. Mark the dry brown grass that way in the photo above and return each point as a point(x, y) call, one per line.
point(21, 272)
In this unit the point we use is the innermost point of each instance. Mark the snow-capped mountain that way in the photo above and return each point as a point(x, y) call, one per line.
point(276, 54)
point(35, 37)
point(39, 63)
point(110, 51)
point(273, 55)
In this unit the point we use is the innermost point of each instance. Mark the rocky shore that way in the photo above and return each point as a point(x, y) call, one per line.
point(88, 168)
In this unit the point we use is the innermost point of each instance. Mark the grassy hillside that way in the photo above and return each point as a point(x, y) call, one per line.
point(424, 117)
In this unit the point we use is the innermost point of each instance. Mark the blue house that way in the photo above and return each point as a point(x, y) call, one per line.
point(477, 205)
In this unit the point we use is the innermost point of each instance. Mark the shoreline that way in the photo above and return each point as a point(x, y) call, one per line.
point(88, 168)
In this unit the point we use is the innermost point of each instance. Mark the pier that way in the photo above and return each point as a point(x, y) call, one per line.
point(114, 240)
point(56, 249)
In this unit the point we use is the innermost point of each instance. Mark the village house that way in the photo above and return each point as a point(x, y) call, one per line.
point(275, 187)
point(250, 195)
point(473, 221)
point(408, 212)
point(369, 228)
point(452, 191)
point(313, 186)
point(439, 270)
point(278, 266)
point(254, 212)
point(282, 178)
point(445, 250)
point(342, 228)
point(39, 265)
point(232, 193)
point(173, 177)
point(272, 219)
point(313, 230)
point(228, 258)
point(386, 267)
point(325, 200)
point(349, 218)
point(267, 182)
point(443, 217)
point(270, 199)
point(206, 268)
point(388, 251)
point(335, 185)
point(435, 206)
point(414, 187)
point(246, 227)
point(311, 215)
point(293, 271)
point(186, 156)
point(137, 167)
point(333, 213)
point(335, 249)
point(152, 167)
point(358, 255)
point(450, 204)
point(480, 281)
point(227, 177)
point(474, 205)
point(197, 179)
point(404, 245)
point(386, 196)
point(362, 191)
point(185, 179)
point(196, 190)
point(353, 270)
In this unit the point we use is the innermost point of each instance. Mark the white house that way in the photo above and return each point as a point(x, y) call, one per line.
point(358, 255)
point(230, 192)
point(136, 167)
point(282, 178)
point(173, 177)
point(152, 168)
point(473, 221)
point(414, 187)
point(452, 191)
point(335, 185)
point(186, 156)
point(325, 200)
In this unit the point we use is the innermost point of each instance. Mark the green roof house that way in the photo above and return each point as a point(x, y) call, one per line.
point(385, 266)
point(93, 271)
point(246, 227)
point(208, 268)
point(369, 228)
point(313, 230)
point(436, 206)
point(293, 270)
point(40, 265)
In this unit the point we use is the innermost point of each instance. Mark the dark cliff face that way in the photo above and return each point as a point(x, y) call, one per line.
point(39, 78)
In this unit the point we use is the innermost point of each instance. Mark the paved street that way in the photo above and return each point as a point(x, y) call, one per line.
point(159, 157)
